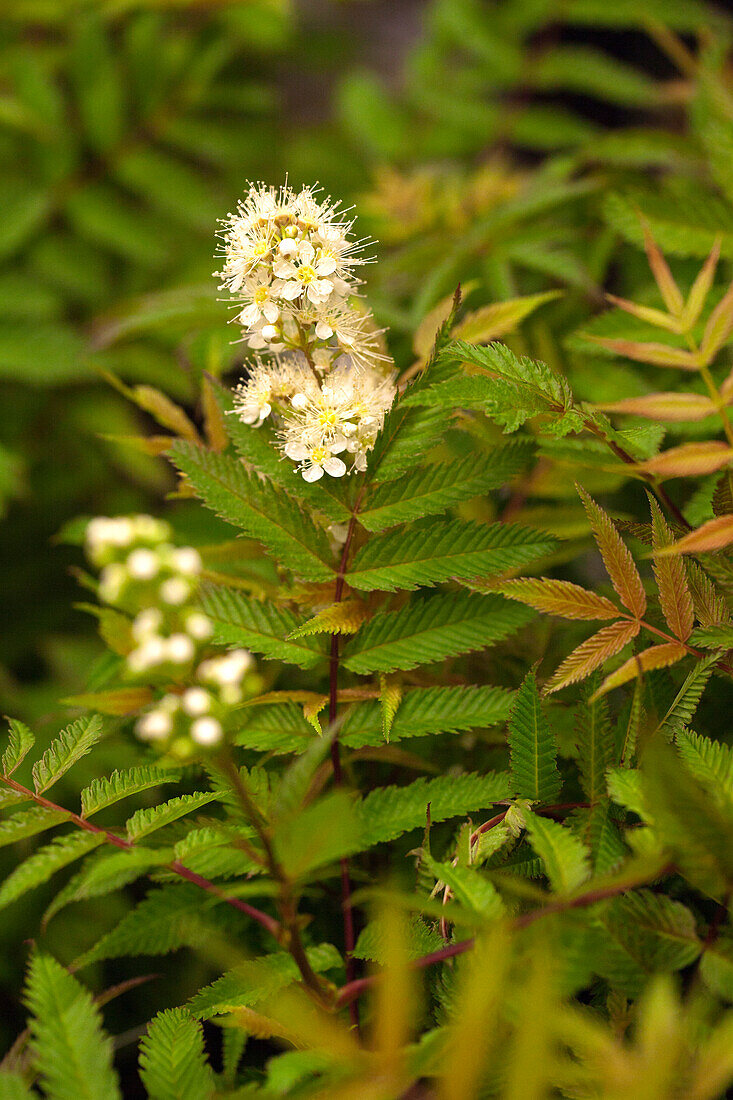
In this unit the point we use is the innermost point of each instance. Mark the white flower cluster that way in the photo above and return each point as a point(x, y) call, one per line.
point(199, 714)
point(143, 573)
point(290, 262)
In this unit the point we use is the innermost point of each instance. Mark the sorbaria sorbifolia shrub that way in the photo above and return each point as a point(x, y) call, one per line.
point(543, 909)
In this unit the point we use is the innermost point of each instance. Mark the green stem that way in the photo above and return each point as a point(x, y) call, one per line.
point(289, 929)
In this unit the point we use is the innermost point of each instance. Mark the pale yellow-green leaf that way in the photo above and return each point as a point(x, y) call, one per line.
point(500, 318)
point(556, 597)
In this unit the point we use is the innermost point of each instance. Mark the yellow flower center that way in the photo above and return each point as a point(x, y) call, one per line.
point(261, 294)
point(319, 456)
point(306, 274)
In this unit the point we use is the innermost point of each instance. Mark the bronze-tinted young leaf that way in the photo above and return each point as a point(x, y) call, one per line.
point(658, 656)
point(663, 277)
point(646, 313)
point(120, 701)
point(166, 412)
point(664, 406)
point(718, 328)
point(214, 423)
point(689, 460)
point(660, 355)
point(713, 535)
point(674, 592)
point(592, 653)
point(700, 289)
point(555, 597)
point(616, 557)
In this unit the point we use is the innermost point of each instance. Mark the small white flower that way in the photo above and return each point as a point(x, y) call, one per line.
point(304, 273)
point(315, 460)
point(206, 731)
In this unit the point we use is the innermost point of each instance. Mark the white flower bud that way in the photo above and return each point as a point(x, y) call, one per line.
point(175, 591)
point(154, 725)
point(187, 560)
point(179, 649)
point(143, 564)
point(199, 626)
point(269, 332)
point(196, 701)
point(111, 582)
point(148, 622)
point(206, 731)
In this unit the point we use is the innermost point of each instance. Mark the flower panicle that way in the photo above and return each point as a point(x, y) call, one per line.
point(156, 584)
point(290, 263)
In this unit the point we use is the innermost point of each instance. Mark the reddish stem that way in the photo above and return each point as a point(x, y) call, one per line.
point(264, 919)
point(352, 990)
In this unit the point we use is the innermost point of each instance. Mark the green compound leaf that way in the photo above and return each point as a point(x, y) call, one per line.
point(532, 746)
point(105, 871)
point(407, 436)
point(686, 701)
point(174, 916)
point(646, 933)
point(432, 489)
point(431, 628)
point(71, 1053)
point(260, 626)
point(39, 867)
point(510, 390)
point(387, 812)
point(566, 859)
point(29, 823)
point(710, 762)
point(596, 746)
point(436, 550)
point(20, 742)
point(282, 728)
point(261, 511)
point(257, 979)
point(173, 1063)
point(102, 793)
point(71, 744)
point(151, 818)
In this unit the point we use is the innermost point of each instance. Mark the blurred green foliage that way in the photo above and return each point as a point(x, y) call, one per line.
point(511, 148)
